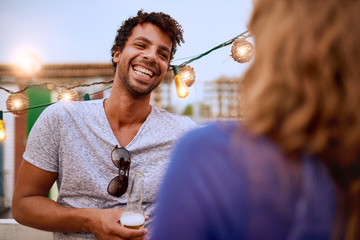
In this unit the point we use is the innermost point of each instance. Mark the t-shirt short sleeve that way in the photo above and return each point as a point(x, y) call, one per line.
point(42, 143)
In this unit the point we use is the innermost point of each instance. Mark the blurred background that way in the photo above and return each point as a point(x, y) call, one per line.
point(68, 43)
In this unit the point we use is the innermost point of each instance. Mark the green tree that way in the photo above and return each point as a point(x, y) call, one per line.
point(188, 110)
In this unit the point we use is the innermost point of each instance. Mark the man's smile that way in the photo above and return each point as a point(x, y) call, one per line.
point(142, 71)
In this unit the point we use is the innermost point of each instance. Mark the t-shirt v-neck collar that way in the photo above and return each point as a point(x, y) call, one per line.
point(133, 141)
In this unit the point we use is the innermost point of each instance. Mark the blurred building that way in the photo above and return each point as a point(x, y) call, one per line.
point(222, 98)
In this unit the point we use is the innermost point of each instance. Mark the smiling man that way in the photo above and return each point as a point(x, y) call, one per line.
point(92, 148)
point(143, 62)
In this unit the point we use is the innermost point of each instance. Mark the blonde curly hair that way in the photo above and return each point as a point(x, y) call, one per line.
point(303, 88)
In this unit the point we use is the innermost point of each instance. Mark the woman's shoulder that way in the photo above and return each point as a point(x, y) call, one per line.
point(232, 141)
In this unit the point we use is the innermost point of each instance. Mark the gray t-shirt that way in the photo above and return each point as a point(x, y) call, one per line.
point(75, 140)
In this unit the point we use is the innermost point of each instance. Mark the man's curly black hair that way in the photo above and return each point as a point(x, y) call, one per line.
point(164, 21)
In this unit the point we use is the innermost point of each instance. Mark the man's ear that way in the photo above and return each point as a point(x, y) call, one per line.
point(117, 54)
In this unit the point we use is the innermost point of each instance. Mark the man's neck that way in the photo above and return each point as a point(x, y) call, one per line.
point(125, 110)
point(126, 115)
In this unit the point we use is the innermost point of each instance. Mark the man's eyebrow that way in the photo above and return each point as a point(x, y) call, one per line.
point(164, 48)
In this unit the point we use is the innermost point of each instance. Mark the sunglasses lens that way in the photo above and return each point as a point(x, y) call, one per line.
point(118, 186)
point(119, 154)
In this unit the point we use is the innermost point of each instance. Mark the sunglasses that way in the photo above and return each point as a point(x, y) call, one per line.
point(119, 184)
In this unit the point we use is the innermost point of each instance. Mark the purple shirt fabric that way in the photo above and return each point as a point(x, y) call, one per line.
point(224, 183)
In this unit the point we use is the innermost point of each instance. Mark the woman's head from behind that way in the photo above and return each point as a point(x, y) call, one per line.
point(302, 89)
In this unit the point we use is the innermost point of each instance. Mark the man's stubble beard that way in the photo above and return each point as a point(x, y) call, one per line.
point(132, 88)
point(135, 90)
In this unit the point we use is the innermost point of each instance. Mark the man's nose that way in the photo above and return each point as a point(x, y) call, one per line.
point(150, 55)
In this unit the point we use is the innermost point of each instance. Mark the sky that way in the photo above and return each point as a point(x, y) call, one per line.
point(82, 31)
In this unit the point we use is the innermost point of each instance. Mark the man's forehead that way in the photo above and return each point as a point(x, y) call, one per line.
point(147, 31)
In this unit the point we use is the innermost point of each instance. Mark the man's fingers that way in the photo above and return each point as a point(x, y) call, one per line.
point(131, 233)
point(145, 237)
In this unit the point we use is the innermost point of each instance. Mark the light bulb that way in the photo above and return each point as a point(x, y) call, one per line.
point(181, 89)
point(16, 102)
point(242, 50)
point(2, 128)
point(187, 74)
point(2, 131)
point(67, 94)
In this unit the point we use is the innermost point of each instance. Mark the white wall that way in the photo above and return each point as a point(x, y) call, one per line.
point(11, 230)
point(9, 146)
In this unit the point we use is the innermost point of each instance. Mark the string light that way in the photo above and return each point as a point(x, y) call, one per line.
point(66, 94)
point(181, 89)
point(2, 128)
point(242, 50)
point(17, 103)
point(50, 86)
point(187, 74)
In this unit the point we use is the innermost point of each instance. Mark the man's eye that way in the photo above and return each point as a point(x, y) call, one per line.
point(164, 55)
point(140, 45)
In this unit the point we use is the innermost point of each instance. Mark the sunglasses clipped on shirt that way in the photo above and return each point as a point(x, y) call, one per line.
point(119, 184)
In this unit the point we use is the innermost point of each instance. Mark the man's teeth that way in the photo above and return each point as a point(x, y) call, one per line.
point(143, 72)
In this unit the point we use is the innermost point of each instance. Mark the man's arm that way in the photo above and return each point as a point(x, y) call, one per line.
point(32, 207)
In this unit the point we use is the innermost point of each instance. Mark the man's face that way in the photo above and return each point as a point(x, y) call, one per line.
point(142, 64)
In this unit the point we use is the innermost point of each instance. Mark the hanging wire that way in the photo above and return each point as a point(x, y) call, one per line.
point(57, 85)
point(48, 104)
point(213, 49)
point(111, 81)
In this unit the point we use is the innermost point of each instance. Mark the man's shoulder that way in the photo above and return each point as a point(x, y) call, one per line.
point(162, 116)
point(64, 107)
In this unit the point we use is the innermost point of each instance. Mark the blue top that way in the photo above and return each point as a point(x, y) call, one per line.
point(223, 183)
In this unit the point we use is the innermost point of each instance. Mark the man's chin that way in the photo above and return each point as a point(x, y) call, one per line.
point(139, 88)
point(138, 92)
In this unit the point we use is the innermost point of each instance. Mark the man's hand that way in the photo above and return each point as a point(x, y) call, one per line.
point(32, 207)
point(106, 225)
